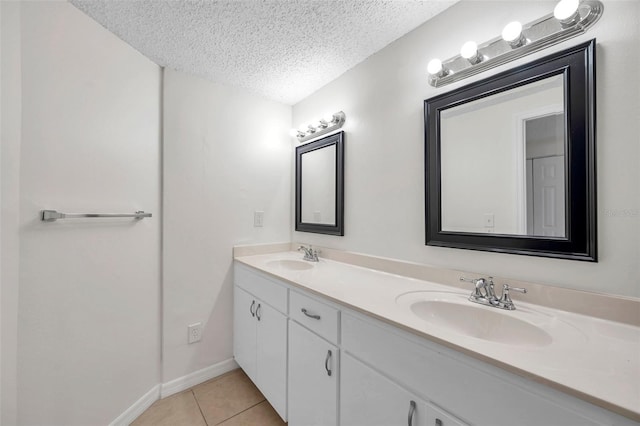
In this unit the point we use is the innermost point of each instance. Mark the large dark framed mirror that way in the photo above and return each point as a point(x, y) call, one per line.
point(320, 186)
point(510, 160)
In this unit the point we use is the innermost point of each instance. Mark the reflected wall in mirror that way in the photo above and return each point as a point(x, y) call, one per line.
point(509, 180)
point(510, 160)
point(320, 186)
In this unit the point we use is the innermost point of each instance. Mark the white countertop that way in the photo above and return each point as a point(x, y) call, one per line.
point(591, 358)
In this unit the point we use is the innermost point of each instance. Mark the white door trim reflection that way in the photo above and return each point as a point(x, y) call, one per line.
point(520, 157)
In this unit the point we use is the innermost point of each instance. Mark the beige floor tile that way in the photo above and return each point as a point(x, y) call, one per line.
point(179, 409)
point(259, 415)
point(226, 396)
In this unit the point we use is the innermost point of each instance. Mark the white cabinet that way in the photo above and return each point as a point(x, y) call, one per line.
point(313, 379)
point(318, 317)
point(469, 389)
point(260, 347)
point(338, 366)
point(437, 417)
point(368, 398)
point(244, 331)
point(271, 356)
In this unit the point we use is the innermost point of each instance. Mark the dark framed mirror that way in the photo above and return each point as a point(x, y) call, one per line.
point(510, 160)
point(320, 186)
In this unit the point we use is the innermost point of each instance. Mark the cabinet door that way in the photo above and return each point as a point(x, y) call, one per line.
point(244, 331)
point(271, 356)
point(437, 417)
point(368, 398)
point(313, 379)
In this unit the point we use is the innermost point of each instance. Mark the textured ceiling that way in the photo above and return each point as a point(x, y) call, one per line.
point(281, 49)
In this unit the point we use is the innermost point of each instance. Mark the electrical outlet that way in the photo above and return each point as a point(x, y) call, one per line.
point(195, 332)
point(488, 220)
point(258, 219)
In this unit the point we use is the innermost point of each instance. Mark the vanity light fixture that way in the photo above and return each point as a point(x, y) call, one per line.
point(569, 19)
point(319, 127)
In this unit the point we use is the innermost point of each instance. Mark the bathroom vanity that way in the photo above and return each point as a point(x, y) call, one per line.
point(332, 343)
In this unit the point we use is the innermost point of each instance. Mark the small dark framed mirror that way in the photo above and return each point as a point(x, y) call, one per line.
point(320, 186)
point(510, 160)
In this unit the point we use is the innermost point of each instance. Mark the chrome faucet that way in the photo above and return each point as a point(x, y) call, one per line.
point(484, 293)
point(505, 301)
point(309, 253)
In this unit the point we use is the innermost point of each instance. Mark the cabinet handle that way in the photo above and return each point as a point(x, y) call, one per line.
point(304, 311)
point(326, 363)
point(438, 422)
point(258, 311)
point(412, 410)
point(253, 303)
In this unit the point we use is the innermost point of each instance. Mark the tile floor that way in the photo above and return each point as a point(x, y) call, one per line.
point(228, 400)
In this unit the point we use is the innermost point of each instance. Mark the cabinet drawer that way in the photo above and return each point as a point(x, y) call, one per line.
point(269, 291)
point(461, 385)
point(437, 417)
point(316, 316)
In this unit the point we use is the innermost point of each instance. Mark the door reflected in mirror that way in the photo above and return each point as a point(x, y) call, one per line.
point(319, 186)
point(503, 162)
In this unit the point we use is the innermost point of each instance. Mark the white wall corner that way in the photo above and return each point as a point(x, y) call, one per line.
point(137, 408)
point(197, 377)
point(174, 386)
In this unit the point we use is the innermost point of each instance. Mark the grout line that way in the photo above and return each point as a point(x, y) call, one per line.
point(199, 408)
point(246, 409)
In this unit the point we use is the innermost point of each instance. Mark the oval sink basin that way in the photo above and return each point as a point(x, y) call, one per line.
point(290, 264)
point(484, 324)
point(452, 311)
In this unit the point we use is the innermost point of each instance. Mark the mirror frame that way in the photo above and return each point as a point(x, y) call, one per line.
point(336, 139)
point(577, 66)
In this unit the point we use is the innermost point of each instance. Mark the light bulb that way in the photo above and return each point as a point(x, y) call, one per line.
point(434, 66)
point(469, 51)
point(566, 11)
point(512, 34)
point(328, 118)
point(512, 31)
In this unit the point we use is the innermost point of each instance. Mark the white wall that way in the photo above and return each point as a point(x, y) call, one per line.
point(88, 321)
point(384, 176)
point(480, 159)
point(226, 154)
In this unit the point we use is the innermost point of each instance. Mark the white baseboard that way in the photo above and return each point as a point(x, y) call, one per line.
point(174, 386)
point(138, 407)
point(197, 377)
